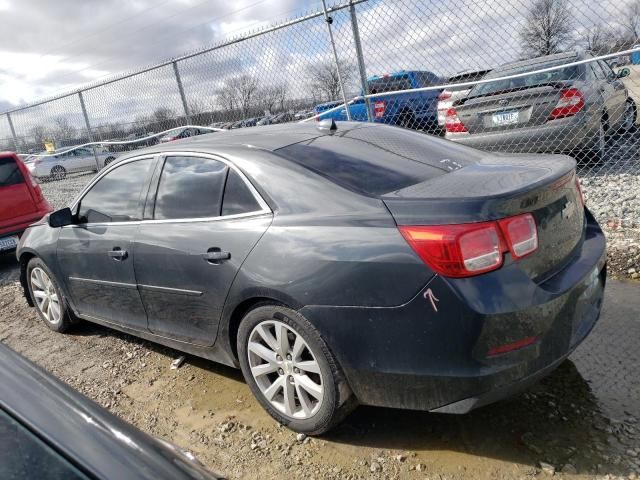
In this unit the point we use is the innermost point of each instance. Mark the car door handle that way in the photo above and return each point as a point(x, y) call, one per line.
point(215, 255)
point(118, 254)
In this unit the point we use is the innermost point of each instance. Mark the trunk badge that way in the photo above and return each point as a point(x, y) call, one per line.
point(503, 101)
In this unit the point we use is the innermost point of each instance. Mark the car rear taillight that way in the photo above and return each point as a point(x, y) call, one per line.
point(472, 248)
point(510, 347)
point(452, 123)
point(571, 102)
point(521, 234)
point(378, 109)
point(444, 96)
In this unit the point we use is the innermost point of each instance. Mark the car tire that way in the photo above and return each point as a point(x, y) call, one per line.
point(58, 172)
point(47, 297)
point(629, 117)
point(284, 376)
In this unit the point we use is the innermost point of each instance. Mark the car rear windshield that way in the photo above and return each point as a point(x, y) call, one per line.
point(528, 81)
point(10, 174)
point(389, 84)
point(374, 160)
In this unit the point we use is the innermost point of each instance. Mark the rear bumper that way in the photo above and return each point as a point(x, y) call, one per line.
point(558, 136)
point(415, 357)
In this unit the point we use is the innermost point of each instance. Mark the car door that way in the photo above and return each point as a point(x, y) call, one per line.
point(205, 220)
point(618, 94)
point(96, 253)
point(606, 91)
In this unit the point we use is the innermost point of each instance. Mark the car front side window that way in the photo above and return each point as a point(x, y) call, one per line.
point(116, 196)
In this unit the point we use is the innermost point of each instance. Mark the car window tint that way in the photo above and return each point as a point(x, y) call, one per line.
point(389, 84)
point(190, 187)
point(10, 173)
point(27, 456)
point(116, 196)
point(237, 196)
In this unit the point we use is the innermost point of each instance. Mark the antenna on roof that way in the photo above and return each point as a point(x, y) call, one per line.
point(329, 125)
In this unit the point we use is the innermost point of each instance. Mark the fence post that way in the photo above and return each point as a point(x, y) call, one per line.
point(181, 90)
point(13, 133)
point(329, 21)
point(361, 68)
point(88, 127)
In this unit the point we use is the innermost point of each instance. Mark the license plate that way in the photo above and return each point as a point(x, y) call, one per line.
point(8, 243)
point(505, 118)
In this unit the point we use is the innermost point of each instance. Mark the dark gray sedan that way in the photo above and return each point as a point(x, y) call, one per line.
point(569, 110)
point(333, 264)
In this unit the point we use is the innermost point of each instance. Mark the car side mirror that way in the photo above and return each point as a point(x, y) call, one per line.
point(61, 218)
point(623, 72)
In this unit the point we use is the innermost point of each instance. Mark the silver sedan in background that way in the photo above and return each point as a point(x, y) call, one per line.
point(57, 166)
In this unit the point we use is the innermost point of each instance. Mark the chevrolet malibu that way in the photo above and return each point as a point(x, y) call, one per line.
point(335, 265)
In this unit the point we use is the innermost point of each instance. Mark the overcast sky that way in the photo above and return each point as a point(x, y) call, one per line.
point(50, 46)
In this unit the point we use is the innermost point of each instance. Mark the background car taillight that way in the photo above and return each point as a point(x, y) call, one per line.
point(452, 123)
point(472, 248)
point(571, 102)
point(378, 109)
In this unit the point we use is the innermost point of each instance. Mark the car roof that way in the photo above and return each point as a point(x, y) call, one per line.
point(267, 137)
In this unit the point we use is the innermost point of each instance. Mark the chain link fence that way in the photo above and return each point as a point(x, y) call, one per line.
point(523, 76)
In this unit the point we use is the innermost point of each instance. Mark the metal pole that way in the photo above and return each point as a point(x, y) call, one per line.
point(361, 67)
point(182, 96)
point(329, 21)
point(88, 127)
point(13, 133)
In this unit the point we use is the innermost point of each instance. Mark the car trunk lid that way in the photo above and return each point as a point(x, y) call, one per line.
point(509, 110)
point(500, 187)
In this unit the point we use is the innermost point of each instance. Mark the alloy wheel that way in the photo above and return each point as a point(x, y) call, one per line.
point(45, 296)
point(285, 369)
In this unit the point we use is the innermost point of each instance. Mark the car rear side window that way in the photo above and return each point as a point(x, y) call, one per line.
point(237, 196)
point(27, 456)
point(10, 173)
point(190, 187)
point(116, 196)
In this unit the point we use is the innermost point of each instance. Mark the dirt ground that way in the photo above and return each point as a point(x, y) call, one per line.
point(208, 409)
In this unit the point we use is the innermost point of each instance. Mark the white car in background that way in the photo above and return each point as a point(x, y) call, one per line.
point(453, 93)
point(57, 166)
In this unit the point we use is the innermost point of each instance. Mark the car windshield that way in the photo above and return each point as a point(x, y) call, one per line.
point(389, 84)
point(528, 81)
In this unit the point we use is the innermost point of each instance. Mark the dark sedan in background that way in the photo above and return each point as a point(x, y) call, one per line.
point(48, 431)
point(568, 110)
point(333, 264)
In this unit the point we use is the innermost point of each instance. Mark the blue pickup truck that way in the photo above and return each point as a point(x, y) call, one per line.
point(417, 110)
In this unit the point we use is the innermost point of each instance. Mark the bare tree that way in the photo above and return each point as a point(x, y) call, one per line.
point(631, 21)
point(323, 79)
point(272, 97)
point(600, 40)
point(227, 96)
point(40, 134)
point(63, 129)
point(198, 105)
point(548, 28)
point(246, 87)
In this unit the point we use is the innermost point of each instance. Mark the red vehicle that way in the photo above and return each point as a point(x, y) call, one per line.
point(21, 200)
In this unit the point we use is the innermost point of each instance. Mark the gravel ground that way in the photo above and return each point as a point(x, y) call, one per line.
point(558, 425)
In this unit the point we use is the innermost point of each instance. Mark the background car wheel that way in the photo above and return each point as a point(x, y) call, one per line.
point(47, 296)
point(58, 172)
point(407, 120)
point(291, 370)
point(629, 118)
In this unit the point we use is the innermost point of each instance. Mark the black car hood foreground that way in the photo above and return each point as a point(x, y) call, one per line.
point(95, 441)
point(492, 188)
